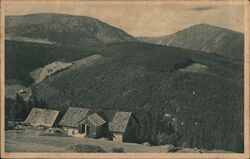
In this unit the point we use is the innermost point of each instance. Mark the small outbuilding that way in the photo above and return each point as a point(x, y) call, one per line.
point(92, 126)
point(42, 117)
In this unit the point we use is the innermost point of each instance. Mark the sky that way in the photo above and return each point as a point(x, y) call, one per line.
point(142, 19)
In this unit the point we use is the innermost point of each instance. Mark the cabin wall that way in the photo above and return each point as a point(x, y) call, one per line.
point(117, 137)
point(94, 131)
point(98, 131)
point(130, 132)
point(73, 132)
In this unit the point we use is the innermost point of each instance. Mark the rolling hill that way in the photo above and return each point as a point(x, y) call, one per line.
point(205, 38)
point(61, 29)
point(206, 106)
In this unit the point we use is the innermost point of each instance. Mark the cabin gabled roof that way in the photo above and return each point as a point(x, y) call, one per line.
point(96, 119)
point(119, 122)
point(45, 117)
point(72, 116)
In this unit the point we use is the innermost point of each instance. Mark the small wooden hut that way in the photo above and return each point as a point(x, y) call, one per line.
point(42, 117)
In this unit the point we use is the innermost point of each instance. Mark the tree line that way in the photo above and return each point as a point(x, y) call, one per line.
point(18, 109)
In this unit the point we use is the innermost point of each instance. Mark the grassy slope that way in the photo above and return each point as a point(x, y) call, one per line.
point(143, 78)
point(32, 141)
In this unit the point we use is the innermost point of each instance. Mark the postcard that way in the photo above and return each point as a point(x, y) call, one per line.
point(124, 79)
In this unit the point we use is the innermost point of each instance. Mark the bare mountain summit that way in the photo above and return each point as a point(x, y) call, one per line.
point(64, 29)
point(206, 38)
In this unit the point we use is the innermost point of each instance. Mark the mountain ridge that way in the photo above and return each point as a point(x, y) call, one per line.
point(65, 29)
point(205, 38)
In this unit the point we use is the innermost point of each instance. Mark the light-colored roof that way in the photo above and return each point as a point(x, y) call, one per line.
point(96, 119)
point(73, 115)
point(119, 122)
point(43, 117)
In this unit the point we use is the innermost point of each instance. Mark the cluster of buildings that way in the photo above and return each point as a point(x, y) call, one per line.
point(85, 122)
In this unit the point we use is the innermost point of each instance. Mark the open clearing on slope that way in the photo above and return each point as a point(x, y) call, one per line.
point(41, 73)
point(196, 67)
point(88, 61)
point(12, 89)
point(48, 70)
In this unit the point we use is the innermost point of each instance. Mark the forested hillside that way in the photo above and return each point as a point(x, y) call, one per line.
point(23, 57)
point(194, 109)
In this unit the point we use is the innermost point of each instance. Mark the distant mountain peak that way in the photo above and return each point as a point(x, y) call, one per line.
point(209, 26)
point(205, 38)
point(65, 29)
point(204, 25)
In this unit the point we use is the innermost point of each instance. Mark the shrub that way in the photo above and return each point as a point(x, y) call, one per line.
point(118, 149)
point(88, 148)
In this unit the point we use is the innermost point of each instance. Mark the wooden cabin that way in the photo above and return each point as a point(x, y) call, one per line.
point(42, 117)
point(69, 121)
point(122, 127)
point(115, 125)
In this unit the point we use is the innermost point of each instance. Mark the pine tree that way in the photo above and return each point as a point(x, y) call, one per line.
point(21, 107)
point(35, 103)
point(43, 104)
point(29, 105)
point(14, 111)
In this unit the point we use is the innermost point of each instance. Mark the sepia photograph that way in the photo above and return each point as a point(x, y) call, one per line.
point(124, 78)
